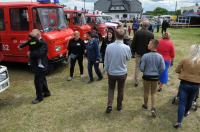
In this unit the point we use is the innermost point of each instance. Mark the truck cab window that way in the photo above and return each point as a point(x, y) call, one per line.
point(67, 16)
point(2, 23)
point(36, 20)
point(19, 19)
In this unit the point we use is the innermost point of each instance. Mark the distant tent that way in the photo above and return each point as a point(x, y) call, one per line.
point(190, 18)
point(190, 14)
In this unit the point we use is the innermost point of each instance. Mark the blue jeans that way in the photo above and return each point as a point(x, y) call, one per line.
point(186, 96)
point(96, 68)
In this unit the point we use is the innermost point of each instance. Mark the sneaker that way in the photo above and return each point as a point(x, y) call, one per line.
point(144, 107)
point(35, 101)
point(99, 79)
point(82, 77)
point(153, 112)
point(119, 107)
point(104, 71)
point(46, 95)
point(41, 66)
point(70, 79)
point(90, 81)
point(194, 103)
point(194, 106)
point(136, 84)
point(108, 109)
point(174, 100)
point(177, 125)
point(187, 114)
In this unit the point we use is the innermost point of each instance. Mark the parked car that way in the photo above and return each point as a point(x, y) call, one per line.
point(4, 78)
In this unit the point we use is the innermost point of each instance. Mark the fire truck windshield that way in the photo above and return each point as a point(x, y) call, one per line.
point(95, 19)
point(99, 20)
point(79, 19)
point(49, 19)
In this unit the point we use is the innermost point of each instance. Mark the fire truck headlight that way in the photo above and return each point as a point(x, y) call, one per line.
point(3, 76)
point(58, 48)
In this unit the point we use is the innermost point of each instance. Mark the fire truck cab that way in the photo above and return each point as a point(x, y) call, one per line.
point(96, 21)
point(76, 21)
point(17, 19)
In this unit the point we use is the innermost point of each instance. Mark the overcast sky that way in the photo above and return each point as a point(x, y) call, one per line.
point(148, 5)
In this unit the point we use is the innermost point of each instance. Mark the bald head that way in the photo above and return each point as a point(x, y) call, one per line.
point(120, 33)
point(76, 35)
point(35, 33)
point(145, 24)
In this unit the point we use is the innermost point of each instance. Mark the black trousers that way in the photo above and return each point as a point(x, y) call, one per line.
point(164, 30)
point(73, 63)
point(158, 26)
point(40, 82)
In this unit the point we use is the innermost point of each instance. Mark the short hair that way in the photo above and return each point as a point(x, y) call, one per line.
point(166, 35)
point(120, 33)
point(155, 43)
point(145, 24)
point(90, 34)
point(76, 32)
point(35, 33)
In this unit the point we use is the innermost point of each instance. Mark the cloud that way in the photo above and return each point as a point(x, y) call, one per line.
point(148, 5)
point(157, 0)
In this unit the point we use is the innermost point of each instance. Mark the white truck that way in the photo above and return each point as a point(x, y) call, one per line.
point(4, 78)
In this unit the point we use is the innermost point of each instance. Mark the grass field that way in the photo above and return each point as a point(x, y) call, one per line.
point(77, 106)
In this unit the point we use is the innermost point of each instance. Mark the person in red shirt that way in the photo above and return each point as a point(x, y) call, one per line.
point(166, 49)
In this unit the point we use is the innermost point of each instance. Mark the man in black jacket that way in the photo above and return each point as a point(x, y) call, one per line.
point(40, 77)
point(140, 46)
point(165, 25)
point(76, 49)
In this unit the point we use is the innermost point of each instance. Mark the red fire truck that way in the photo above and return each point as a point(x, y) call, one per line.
point(17, 19)
point(95, 20)
point(76, 21)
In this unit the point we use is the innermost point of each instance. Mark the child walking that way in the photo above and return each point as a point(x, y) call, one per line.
point(33, 44)
point(152, 65)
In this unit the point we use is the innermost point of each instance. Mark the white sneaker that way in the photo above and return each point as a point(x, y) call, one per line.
point(70, 79)
point(40, 66)
point(82, 77)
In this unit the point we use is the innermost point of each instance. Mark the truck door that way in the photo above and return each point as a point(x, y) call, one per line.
point(4, 44)
point(19, 26)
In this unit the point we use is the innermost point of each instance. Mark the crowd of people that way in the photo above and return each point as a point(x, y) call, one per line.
point(154, 24)
point(152, 57)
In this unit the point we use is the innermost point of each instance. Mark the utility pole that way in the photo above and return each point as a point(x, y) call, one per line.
point(176, 6)
point(84, 5)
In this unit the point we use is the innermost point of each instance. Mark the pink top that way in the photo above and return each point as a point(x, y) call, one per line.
point(166, 49)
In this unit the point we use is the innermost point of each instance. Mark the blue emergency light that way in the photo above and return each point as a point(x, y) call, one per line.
point(44, 1)
point(47, 1)
point(56, 1)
